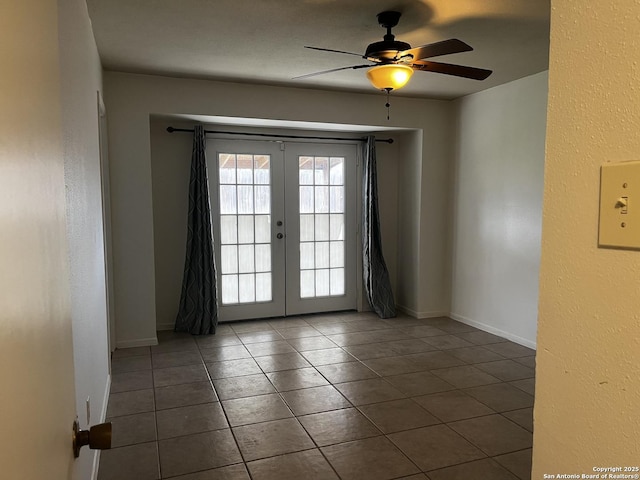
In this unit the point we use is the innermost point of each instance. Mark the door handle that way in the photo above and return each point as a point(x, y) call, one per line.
point(279, 236)
point(97, 437)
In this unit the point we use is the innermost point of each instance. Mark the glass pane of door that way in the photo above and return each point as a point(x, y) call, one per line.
point(321, 227)
point(321, 243)
point(246, 191)
point(245, 219)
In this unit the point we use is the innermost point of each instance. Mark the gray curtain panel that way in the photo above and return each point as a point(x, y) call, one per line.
point(198, 311)
point(375, 274)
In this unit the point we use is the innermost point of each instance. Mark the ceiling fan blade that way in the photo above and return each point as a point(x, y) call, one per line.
point(455, 70)
point(334, 51)
point(353, 67)
point(445, 47)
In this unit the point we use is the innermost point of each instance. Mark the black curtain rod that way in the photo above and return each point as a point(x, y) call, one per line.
point(171, 130)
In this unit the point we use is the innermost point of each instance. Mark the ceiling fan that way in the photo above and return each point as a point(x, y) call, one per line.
point(392, 62)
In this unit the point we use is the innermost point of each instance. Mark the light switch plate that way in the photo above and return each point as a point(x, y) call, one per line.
point(620, 205)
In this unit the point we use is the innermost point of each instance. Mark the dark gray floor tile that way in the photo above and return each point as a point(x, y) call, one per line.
point(298, 332)
point(421, 331)
point(373, 390)
point(481, 470)
point(419, 383)
point(394, 365)
point(131, 364)
point(197, 452)
point(180, 421)
point(251, 326)
point(178, 375)
point(259, 337)
point(283, 361)
point(435, 447)
point(433, 360)
point(453, 405)
point(182, 395)
point(175, 359)
point(398, 415)
point(501, 397)
point(511, 350)
point(447, 342)
point(346, 372)
point(373, 458)
point(465, 376)
point(125, 382)
point(493, 434)
point(518, 463)
point(132, 429)
point(218, 354)
point(327, 355)
point(178, 344)
point(338, 426)
point(310, 465)
point(527, 361)
point(261, 408)
point(131, 352)
point(481, 338)
point(232, 472)
point(527, 385)
point(134, 462)
point(246, 386)
point(315, 400)
point(267, 439)
point(506, 370)
point(296, 379)
point(233, 368)
point(214, 341)
point(129, 403)
point(523, 417)
point(476, 354)
point(269, 348)
point(306, 344)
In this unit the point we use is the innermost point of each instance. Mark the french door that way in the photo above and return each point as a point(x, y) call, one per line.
point(284, 222)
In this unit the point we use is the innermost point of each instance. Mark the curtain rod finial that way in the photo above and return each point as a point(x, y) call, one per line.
point(170, 129)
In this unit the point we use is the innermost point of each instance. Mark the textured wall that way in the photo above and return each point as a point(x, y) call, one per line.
point(588, 376)
point(81, 76)
point(498, 207)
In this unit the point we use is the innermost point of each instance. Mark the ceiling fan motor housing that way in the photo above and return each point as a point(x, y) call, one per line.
point(386, 50)
point(389, 47)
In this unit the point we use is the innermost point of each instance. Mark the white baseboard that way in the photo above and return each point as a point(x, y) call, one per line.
point(416, 314)
point(165, 326)
point(103, 416)
point(496, 331)
point(140, 342)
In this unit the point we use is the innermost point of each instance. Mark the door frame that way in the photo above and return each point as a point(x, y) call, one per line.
point(280, 137)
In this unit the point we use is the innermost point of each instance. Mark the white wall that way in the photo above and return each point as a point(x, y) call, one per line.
point(81, 78)
point(498, 183)
point(588, 362)
point(131, 99)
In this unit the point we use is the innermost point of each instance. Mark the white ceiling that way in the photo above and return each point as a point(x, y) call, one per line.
point(261, 41)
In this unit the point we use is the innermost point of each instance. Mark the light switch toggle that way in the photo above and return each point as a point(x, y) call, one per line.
point(622, 204)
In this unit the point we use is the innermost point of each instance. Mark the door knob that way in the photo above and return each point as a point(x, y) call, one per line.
point(97, 437)
point(279, 235)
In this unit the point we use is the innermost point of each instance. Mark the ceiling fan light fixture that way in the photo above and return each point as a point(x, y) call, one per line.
point(390, 76)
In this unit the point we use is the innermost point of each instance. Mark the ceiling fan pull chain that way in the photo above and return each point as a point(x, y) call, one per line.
point(388, 105)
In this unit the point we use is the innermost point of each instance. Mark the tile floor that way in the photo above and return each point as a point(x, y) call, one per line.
point(340, 396)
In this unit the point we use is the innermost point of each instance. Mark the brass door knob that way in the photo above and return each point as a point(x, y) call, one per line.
point(97, 437)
